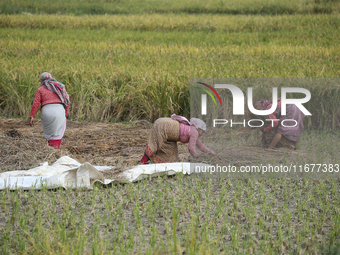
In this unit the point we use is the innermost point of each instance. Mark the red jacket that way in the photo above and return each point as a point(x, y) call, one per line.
point(42, 97)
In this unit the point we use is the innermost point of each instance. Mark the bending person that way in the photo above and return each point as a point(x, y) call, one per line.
point(166, 132)
point(54, 102)
point(293, 122)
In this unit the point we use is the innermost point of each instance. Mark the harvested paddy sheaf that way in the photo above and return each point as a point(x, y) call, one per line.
point(22, 150)
point(117, 144)
point(99, 144)
point(120, 145)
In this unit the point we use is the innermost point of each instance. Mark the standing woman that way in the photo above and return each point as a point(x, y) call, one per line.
point(166, 132)
point(54, 101)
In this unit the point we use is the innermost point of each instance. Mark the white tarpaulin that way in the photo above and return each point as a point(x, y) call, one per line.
point(68, 173)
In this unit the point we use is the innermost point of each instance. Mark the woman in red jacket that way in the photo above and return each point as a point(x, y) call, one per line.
point(54, 102)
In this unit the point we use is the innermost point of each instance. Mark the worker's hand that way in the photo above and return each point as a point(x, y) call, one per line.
point(31, 121)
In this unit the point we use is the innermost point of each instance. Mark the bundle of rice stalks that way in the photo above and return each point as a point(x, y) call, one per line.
point(18, 152)
point(13, 133)
point(267, 137)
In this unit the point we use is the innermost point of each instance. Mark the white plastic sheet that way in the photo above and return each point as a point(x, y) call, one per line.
point(68, 173)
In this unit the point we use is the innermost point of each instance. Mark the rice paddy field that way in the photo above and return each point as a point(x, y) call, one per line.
point(123, 61)
point(139, 66)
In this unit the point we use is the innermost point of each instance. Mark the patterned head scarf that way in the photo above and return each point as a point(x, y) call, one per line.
point(199, 124)
point(266, 104)
point(56, 87)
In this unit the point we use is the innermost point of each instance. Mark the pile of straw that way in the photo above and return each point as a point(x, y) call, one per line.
point(18, 152)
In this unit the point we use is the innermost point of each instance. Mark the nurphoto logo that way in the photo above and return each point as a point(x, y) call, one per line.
point(238, 104)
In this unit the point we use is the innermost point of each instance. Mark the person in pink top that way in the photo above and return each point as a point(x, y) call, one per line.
point(54, 101)
point(293, 120)
point(166, 132)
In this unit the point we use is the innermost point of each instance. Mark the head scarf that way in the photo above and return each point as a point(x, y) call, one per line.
point(266, 104)
point(199, 124)
point(55, 86)
point(180, 119)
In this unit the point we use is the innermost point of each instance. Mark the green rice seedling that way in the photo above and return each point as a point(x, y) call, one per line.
point(208, 226)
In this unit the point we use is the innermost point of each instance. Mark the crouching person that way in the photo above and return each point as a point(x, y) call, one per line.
point(162, 147)
point(290, 125)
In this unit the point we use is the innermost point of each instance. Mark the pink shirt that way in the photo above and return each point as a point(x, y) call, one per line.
point(42, 97)
point(189, 134)
point(184, 133)
point(274, 117)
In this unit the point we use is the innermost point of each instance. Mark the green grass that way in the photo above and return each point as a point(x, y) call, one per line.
point(174, 215)
point(139, 66)
point(81, 7)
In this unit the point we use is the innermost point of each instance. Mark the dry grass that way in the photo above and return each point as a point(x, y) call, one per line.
point(120, 145)
point(23, 150)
